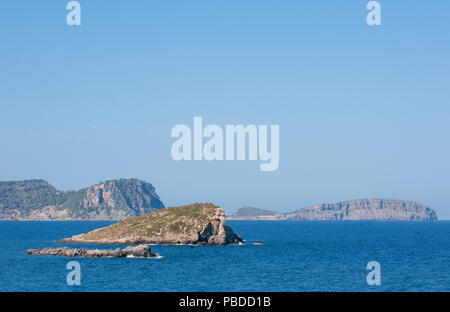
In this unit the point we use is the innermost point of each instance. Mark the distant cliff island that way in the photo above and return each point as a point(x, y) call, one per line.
point(359, 209)
point(120, 199)
point(110, 200)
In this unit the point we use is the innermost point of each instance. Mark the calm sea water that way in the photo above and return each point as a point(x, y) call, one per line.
point(297, 256)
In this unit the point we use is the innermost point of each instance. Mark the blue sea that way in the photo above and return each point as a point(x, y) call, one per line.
point(296, 256)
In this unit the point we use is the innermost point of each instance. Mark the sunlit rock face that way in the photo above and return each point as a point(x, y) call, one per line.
point(111, 200)
point(200, 224)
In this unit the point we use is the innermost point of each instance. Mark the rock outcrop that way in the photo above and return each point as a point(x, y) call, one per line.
point(202, 224)
point(141, 251)
point(360, 209)
point(111, 200)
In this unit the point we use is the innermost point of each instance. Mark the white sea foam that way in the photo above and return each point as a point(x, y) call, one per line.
point(155, 257)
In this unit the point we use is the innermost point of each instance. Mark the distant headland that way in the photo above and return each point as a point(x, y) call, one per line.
point(37, 200)
point(359, 209)
point(116, 200)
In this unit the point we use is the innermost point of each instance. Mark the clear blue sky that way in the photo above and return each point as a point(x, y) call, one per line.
point(363, 111)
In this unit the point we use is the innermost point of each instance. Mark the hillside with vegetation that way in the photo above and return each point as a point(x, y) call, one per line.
point(202, 224)
point(110, 200)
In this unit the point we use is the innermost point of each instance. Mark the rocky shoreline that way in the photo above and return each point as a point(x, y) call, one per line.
point(141, 251)
point(198, 224)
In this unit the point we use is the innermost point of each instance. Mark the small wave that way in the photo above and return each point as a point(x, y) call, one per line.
point(155, 257)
